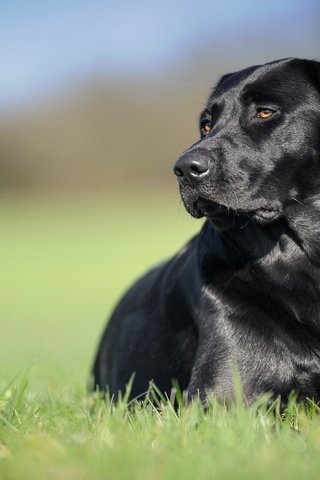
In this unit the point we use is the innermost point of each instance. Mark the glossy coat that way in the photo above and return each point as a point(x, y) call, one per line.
point(245, 292)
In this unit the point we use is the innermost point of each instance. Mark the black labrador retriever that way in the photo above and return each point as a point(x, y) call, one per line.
point(245, 292)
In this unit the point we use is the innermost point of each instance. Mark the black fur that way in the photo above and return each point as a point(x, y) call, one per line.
point(245, 292)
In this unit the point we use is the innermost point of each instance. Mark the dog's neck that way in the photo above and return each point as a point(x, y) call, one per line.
point(240, 245)
point(237, 247)
point(271, 257)
point(303, 220)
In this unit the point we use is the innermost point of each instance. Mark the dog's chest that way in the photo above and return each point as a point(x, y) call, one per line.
point(270, 334)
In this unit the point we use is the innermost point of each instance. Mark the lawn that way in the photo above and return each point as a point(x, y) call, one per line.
point(64, 263)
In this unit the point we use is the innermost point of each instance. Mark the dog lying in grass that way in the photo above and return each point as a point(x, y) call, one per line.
point(245, 292)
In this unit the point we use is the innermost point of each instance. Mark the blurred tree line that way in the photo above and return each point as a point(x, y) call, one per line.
point(98, 136)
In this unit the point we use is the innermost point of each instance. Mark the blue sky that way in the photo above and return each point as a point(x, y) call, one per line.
point(44, 43)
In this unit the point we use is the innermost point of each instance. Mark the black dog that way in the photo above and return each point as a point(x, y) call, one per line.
point(245, 292)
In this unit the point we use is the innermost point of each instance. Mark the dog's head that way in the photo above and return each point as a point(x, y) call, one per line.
point(258, 157)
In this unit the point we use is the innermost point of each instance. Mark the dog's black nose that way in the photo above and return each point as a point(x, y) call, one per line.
point(191, 167)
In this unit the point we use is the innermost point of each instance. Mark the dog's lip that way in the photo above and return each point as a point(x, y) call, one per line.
point(210, 208)
point(213, 209)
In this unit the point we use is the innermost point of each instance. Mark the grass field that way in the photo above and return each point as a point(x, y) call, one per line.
point(64, 263)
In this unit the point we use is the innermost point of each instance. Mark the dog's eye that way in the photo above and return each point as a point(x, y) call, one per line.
point(264, 113)
point(206, 127)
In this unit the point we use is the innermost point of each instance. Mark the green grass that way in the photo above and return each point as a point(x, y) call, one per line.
point(64, 263)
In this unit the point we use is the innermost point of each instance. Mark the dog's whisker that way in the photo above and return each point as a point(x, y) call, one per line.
point(191, 89)
point(298, 201)
point(245, 225)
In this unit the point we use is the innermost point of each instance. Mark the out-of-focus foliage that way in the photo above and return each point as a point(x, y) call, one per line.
point(101, 136)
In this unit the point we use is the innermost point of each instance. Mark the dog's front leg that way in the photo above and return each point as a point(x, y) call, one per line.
point(211, 373)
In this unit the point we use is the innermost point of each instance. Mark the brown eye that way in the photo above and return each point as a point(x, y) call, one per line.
point(265, 113)
point(207, 127)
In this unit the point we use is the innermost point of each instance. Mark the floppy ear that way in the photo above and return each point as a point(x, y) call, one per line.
point(318, 73)
point(220, 83)
point(223, 79)
point(315, 73)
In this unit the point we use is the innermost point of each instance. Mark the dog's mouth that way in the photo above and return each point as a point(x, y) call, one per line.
point(221, 214)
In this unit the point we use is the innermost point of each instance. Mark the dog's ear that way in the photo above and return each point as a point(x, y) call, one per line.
point(317, 65)
point(218, 85)
point(220, 82)
point(223, 79)
point(315, 73)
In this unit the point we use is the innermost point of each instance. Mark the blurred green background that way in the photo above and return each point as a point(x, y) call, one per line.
point(97, 99)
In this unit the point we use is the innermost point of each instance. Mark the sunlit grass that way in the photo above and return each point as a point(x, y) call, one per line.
point(62, 434)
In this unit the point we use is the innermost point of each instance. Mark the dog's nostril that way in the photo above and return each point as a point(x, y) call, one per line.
point(198, 168)
point(191, 167)
point(178, 171)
